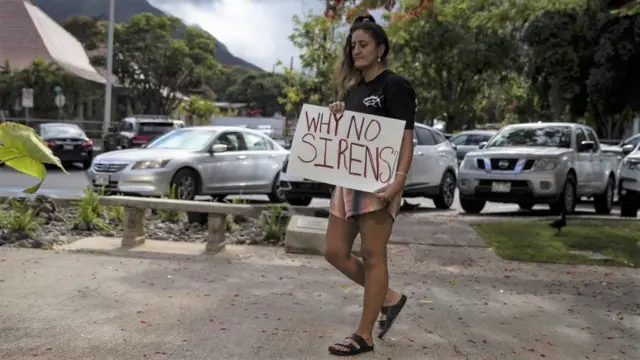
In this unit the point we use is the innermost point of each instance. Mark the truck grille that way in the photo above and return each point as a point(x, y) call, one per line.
point(503, 164)
point(110, 168)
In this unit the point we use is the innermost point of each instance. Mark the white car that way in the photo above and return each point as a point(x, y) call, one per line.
point(433, 173)
point(629, 185)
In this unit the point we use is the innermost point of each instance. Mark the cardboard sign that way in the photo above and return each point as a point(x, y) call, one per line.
point(352, 150)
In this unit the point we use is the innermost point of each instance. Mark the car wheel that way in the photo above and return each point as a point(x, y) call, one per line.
point(185, 183)
point(603, 203)
point(86, 164)
point(567, 201)
point(447, 192)
point(299, 200)
point(526, 205)
point(628, 210)
point(277, 194)
point(472, 206)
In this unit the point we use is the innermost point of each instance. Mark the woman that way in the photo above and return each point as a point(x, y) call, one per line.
point(366, 86)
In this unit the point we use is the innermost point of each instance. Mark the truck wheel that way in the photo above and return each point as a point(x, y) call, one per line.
point(447, 192)
point(628, 210)
point(472, 206)
point(567, 201)
point(299, 200)
point(526, 205)
point(603, 203)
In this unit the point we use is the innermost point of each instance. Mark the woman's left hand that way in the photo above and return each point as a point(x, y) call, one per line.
point(390, 191)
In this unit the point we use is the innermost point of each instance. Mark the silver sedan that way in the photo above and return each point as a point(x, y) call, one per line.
point(204, 160)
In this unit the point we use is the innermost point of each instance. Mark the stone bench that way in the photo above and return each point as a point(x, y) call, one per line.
point(135, 208)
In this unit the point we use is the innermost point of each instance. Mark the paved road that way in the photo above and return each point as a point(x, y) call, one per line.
point(58, 184)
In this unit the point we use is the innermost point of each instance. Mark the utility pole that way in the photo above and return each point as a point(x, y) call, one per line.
point(109, 84)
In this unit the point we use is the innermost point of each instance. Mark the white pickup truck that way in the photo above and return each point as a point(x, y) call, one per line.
point(539, 163)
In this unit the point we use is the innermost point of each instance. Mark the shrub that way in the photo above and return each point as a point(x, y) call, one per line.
point(90, 212)
point(172, 216)
point(20, 218)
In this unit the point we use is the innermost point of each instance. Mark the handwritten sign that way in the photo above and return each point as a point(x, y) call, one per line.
point(352, 150)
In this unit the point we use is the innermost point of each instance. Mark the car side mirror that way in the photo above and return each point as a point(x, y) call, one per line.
point(586, 146)
point(415, 142)
point(482, 145)
point(627, 149)
point(454, 146)
point(218, 148)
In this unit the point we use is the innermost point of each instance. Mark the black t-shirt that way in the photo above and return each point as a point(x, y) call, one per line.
point(389, 95)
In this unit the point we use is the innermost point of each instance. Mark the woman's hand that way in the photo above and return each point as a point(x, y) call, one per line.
point(390, 191)
point(337, 107)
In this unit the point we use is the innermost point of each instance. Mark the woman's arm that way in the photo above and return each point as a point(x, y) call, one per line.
point(405, 157)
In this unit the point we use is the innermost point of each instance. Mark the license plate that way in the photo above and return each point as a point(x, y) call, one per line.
point(500, 187)
point(68, 147)
point(102, 180)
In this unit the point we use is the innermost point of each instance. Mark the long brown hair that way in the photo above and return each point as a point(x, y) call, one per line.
point(345, 74)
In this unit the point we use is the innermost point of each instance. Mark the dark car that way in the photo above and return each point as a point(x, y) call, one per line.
point(68, 142)
point(469, 141)
point(137, 131)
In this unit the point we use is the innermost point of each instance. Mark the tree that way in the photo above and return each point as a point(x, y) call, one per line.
point(260, 90)
point(90, 31)
point(199, 111)
point(157, 68)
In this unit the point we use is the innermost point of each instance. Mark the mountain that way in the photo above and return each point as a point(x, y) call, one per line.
point(60, 10)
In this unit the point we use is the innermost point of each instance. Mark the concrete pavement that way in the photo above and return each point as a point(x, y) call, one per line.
point(259, 303)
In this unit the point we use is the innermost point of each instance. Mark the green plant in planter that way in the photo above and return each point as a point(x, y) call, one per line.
point(274, 222)
point(20, 218)
point(115, 213)
point(90, 212)
point(172, 216)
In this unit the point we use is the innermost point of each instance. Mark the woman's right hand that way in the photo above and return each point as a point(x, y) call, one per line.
point(337, 107)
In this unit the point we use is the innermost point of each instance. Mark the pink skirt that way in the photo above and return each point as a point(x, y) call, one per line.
point(347, 203)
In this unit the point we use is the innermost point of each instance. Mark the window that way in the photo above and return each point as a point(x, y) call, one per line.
point(155, 128)
point(633, 141)
point(437, 136)
point(424, 137)
point(255, 142)
point(476, 139)
point(459, 140)
point(183, 139)
point(126, 126)
point(233, 140)
point(527, 135)
point(580, 137)
point(61, 131)
point(592, 137)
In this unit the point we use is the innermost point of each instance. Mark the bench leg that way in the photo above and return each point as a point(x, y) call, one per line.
point(133, 234)
point(217, 229)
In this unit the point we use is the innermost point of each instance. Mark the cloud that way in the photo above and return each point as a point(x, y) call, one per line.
point(255, 30)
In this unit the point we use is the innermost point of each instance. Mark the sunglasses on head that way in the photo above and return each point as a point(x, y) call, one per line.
point(364, 18)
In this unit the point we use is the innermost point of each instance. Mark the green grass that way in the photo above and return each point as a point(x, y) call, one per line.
point(534, 241)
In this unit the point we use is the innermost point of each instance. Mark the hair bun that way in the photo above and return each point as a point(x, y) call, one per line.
point(364, 18)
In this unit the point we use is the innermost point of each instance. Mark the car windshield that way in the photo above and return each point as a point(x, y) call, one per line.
point(155, 128)
point(61, 131)
point(544, 135)
point(183, 139)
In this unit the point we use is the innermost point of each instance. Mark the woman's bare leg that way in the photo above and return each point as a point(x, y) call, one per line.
point(340, 236)
point(375, 229)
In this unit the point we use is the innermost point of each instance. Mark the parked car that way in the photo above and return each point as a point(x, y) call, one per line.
point(469, 141)
point(632, 140)
point(136, 131)
point(202, 160)
point(432, 175)
point(539, 163)
point(629, 185)
point(68, 142)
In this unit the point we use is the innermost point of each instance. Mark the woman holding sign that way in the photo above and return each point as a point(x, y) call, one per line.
point(366, 86)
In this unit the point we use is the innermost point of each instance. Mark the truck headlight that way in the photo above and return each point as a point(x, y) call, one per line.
point(468, 163)
point(152, 164)
point(545, 164)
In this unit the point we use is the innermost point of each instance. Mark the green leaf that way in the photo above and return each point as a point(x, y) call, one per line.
point(23, 150)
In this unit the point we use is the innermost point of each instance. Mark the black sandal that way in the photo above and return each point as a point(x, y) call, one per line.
point(349, 348)
point(391, 314)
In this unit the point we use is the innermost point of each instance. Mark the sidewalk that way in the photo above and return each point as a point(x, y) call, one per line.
point(259, 303)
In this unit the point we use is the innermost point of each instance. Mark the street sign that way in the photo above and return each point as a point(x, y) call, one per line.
point(27, 97)
point(60, 100)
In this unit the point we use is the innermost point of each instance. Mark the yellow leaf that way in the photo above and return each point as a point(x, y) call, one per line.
point(23, 150)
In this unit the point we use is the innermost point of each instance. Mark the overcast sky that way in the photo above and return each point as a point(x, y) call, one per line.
point(255, 30)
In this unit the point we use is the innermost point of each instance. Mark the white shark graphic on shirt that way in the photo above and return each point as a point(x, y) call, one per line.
point(374, 101)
